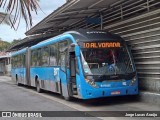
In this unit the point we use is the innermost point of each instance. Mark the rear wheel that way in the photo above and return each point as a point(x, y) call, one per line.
point(67, 98)
point(61, 88)
point(17, 82)
point(38, 88)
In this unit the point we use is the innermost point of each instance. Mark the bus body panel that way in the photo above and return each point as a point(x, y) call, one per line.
point(19, 72)
point(47, 77)
point(89, 92)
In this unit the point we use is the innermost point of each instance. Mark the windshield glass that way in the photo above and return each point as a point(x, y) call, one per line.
point(106, 61)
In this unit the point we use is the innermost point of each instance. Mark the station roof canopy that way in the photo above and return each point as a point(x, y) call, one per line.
point(71, 14)
point(77, 14)
point(29, 41)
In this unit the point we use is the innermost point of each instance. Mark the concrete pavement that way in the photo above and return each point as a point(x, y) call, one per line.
point(24, 98)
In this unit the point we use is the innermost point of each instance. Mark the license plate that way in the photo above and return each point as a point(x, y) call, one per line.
point(115, 93)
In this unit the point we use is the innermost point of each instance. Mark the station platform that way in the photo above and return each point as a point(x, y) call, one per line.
point(150, 97)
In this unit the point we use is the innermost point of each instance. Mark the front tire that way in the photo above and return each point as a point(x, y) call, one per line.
point(17, 82)
point(67, 98)
point(38, 88)
point(61, 92)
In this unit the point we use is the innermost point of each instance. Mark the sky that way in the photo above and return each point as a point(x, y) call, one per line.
point(47, 6)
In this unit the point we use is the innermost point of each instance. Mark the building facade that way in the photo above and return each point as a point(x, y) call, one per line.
point(5, 64)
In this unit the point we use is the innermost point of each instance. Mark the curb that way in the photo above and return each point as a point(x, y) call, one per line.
point(150, 97)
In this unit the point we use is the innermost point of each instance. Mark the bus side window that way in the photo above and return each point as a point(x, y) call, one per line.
point(63, 61)
point(24, 60)
point(45, 56)
point(63, 46)
point(15, 60)
point(18, 61)
point(33, 58)
point(21, 59)
point(39, 58)
point(36, 60)
point(12, 61)
point(53, 55)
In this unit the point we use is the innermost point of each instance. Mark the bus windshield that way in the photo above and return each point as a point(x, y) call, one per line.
point(106, 61)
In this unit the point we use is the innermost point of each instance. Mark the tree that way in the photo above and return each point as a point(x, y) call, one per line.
point(16, 9)
point(3, 45)
point(15, 41)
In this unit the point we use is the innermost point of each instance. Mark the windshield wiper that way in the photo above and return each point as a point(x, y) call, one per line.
point(106, 77)
point(101, 78)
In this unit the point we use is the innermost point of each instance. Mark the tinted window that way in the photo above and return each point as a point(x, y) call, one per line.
point(63, 46)
point(53, 54)
point(33, 58)
point(45, 56)
point(39, 58)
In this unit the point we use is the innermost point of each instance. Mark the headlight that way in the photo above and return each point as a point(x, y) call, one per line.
point(91, 82)
point(133, 81)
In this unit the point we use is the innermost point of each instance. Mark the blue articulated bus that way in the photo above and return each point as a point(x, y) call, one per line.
point(83, 64)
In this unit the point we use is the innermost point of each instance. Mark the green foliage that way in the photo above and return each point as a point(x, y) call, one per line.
point(4, 45)
point(15, 41)
point(17, 9)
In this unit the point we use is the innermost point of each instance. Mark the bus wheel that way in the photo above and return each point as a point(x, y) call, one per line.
point(39, 90)
point(67, 98)
point(61, 92)
point(17, 82)
point(61, 88)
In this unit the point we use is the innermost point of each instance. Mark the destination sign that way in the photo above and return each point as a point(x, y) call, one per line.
point(101, 45)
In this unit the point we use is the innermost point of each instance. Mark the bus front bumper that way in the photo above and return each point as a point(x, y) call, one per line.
point(108, 92)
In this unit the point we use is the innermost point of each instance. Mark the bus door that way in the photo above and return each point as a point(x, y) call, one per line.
point(68, 73)
point(64, 74)
point(73, 70)
point(72, 66)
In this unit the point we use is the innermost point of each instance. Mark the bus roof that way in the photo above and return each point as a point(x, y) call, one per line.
point(80, 36)
point(94, 35)
point(53, 40)
point(19, 52)
point(76, 35)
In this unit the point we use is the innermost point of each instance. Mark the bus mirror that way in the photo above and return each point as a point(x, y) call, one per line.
point(73, 45)
point(75, 48)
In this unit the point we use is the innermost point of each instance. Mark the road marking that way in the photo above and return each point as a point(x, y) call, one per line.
point(150, 93)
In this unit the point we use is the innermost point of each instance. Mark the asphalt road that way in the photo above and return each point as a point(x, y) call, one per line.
point(15, 98)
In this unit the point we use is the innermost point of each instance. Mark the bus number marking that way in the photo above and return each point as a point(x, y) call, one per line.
point(56, 71)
